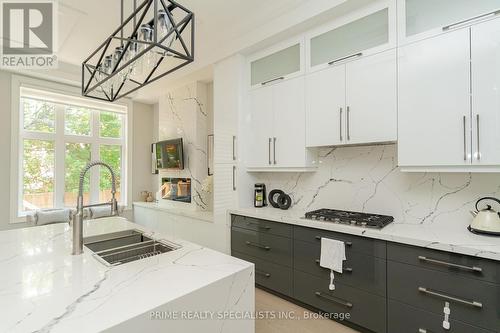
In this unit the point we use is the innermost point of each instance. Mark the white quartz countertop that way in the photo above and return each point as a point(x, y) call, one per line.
point(44, 288)
point(450, 236)
point(172, 209)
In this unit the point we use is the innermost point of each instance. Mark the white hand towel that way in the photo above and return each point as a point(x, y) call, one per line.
point(332, 257)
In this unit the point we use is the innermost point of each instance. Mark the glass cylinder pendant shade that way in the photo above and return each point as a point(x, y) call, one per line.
point(136, 66)
point(165, 27)
point(107, 68)
point(108, 64)
point(146, 35)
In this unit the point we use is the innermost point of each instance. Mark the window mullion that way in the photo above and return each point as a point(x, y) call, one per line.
point(60, 153)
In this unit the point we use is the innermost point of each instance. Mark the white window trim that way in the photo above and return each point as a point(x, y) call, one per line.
point(16, 167)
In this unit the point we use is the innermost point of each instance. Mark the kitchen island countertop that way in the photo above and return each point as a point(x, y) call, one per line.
point(44, 288)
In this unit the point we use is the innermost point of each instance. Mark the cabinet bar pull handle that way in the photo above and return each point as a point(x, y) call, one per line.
point(347, 269)
point(478, 156)
point(345, 58)
point(272, 80)
point(448, 264)
point(269, 150)
point(341, 136)
point(483, 16)
point(450, 298)
point(267, 275)
point(234, 148)
point(346, 304)
point(346, 243)
point(348, 124)
point(259, 226)
point(274, 150)
point(267, 248)
point(465, 138)
point(234, 178)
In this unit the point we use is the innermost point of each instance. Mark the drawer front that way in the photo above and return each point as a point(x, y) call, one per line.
point(264, 226)
point(364, 309)
point(428, 289)
point(367, 246)
point(405, 318)
point(269, 247)
point(270, 275)
point(360, 270)
point(459, 265)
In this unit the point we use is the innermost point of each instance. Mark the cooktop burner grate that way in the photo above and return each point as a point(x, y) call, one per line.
point(352, 218)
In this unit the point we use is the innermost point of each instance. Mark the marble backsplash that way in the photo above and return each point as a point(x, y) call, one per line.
point(367, 179)
point(184, 113)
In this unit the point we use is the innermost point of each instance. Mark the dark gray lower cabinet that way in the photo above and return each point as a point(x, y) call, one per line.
point(364, 309)
point(405, 318)
point(368, 246)
point(269, 247)
point(472, 301)
point(270, 275)
point(263, 226)
point(456, 264)
point(359, 271)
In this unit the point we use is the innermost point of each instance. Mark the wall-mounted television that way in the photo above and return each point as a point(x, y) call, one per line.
point(170, 154)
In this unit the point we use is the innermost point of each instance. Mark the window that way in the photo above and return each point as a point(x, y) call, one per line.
point(58, 136)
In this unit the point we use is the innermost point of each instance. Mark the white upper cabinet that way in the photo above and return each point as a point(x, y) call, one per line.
point(260, 131)
point(367, 31)
point(449, 101)
point(434, 102)
point(325, 107)
point(425, 18)
point(354, 103)
point(485, 39)
point(289, 135)
point(371, 99)
point(276, 128)
point(279, 63)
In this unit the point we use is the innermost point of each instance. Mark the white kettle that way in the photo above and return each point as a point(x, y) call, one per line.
point(487, 220)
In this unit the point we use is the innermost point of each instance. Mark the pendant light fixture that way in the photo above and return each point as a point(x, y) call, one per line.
point(155, 40)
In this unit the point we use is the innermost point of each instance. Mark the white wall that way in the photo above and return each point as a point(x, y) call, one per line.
point(142, 178)
point(143, 136)
point(5, 131)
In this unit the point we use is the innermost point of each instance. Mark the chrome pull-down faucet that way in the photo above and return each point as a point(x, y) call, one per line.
point(77, 219)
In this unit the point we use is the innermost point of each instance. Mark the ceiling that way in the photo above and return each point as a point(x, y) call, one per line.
point(84, 25)
point(223, 27)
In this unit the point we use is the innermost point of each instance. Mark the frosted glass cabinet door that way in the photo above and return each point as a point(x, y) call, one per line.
point(486, 93)
point(347, 40)
point(260, 127)
point(425, 15)
point(325, 107)
point(372, 99)
point(434, 101)
point(275, 66)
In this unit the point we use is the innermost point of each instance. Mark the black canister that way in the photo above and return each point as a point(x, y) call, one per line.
point(260, 199)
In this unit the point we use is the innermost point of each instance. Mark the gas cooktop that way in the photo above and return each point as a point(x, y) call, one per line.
point(352, 218)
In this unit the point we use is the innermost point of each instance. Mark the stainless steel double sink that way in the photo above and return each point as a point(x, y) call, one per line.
point(125, 246)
